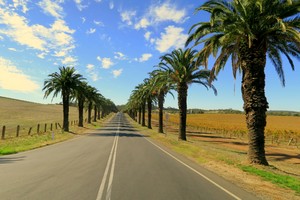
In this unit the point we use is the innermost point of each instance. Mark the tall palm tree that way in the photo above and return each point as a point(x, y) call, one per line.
point(81, 95)
point(64, 82)
point(91, 98)
point(247, 32)
point(161, 86)
point(183, 71)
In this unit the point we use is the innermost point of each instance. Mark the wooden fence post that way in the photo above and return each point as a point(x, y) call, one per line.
point(51, 127)
point(29, 131)
point(38, 129)
point(3, 133)
point(18, 130)
point(45, 129)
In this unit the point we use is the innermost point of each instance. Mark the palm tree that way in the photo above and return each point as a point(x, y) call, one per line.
point(161, 86)
point(91, 98)
point(81, 95)
point(183, 71)
point(64, 82)
point(247, 32)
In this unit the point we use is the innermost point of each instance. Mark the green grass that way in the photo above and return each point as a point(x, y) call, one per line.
point(20, 144)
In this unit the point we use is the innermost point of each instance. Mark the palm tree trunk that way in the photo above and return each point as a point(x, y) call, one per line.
point(140, 114)
point(255, 101)
point(182, 96)
point(66, 112)
point(98, 114)
point(143, 114)
point(161, 99)
point(149, 104)
point(80, 112)
point(90, 112)
point(95, 113)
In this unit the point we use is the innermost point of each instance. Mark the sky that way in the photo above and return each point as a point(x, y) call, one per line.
point(114, 44)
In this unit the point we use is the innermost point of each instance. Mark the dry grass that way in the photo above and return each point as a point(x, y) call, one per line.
point(279, 129)
point(27, 114)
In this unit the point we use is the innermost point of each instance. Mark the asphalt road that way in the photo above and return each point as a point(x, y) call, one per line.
point(114, 162)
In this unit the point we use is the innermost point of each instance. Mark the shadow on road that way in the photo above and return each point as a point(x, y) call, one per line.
point(6, 160)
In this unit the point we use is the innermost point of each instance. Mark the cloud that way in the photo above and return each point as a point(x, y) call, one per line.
point(111, 5)
point(143, 23)
point(105, 62)
point(167, 12)
point(20, 3)
point(12, 49)
point(52, 8)
point(127, 17)
point(144, 57)
point(173, 37)
point(11, 78)
point(69, 60)
point(98, 1)
point(98, 23)
point(91, 31)
point(2, 2)
point(41, 55)
point(79, 5)
point(83, 19)
point(117, 73)
point(119, 56)
point(91, 72)
point(1, 38)
point(147, 35)
point(158, 13)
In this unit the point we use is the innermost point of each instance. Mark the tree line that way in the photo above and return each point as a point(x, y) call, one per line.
point(73, 86)
point(247, 32)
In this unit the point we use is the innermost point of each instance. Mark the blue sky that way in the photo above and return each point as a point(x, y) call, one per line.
point(114, 44)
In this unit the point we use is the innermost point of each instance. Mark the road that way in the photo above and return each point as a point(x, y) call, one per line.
point(114, 162)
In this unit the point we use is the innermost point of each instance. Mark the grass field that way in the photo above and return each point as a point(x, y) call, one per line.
point(27, 114)
point(279, 128)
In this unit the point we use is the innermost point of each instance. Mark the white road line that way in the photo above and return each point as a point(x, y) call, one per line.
point(111, 155)
point(200, 174)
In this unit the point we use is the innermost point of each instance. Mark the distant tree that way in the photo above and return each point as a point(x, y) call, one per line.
point(65, 82)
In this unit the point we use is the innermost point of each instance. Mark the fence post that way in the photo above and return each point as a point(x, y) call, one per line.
point(45, 129)
point(18, 130)
point(51, 127)
point(38, 129)
point(29, 131)
point(3, 133)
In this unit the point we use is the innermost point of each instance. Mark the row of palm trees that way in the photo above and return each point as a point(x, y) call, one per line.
point(245, 31)
point(72, 86)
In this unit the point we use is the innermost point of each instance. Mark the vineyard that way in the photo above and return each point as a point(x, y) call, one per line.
point(279, 130)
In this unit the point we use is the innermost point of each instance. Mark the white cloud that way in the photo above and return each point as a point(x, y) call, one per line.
point(91, 31)
point(19, 30)
point(20, 3)
point(167, 12)
point(41, 55)
point(119, 56)
point(98, 23)
point(1, 38)
point(69, 60)
point(144, 57)
point(98, 1)
point(61, 53)
point(172, 38)
point(52, 8)
point(14, 79)
point(127, 16)
point(79, 5)
point(83, 19)
point(111, 5)
point(12, 49)
point(158, 13)
point(2, 2)
point(147, 35)
point(91, 72)
point(105, 62)
point(143, 23)
point(117, 73)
